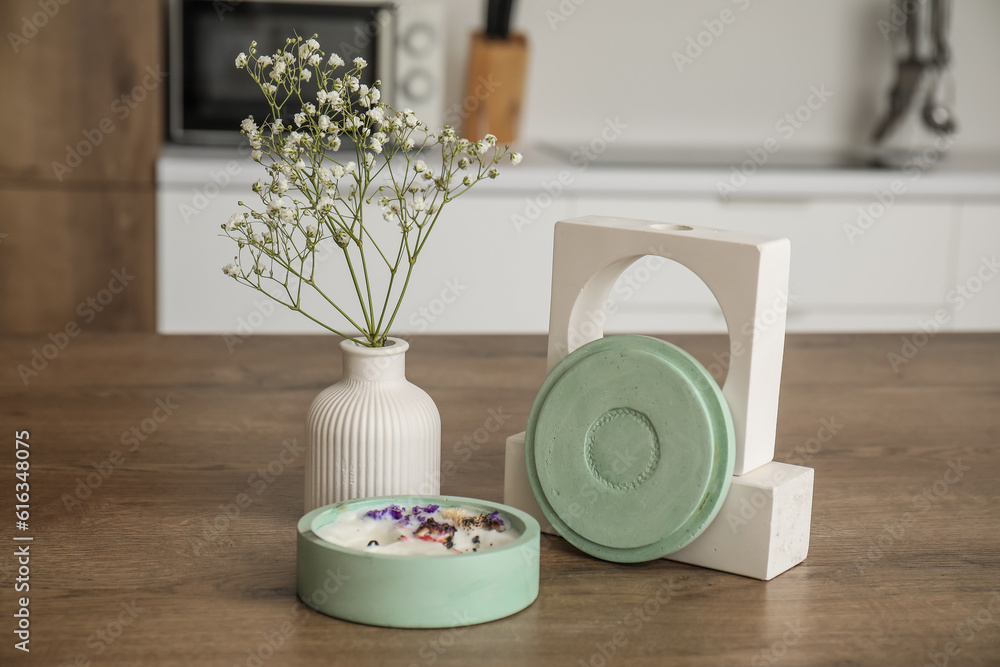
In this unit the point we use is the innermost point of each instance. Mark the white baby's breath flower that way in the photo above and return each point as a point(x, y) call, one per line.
point(490, 140)
point(370, 159)
point(279, 69)
point(271, 88)
point(493, 173)
point(314, 59)
point(418, 203)
point(353, 83)
point(360, 62)
point(312, 43)
point(411, 120)
point(235, 220)
point(467, 180)
point(338, 171)
point(256, 156)
point(375, 145)
point(241, 60)
point(325, 176)
point(249, 125)
point(280, 184)
point(377, 114)
point(515, 158)
point(325, 204)
point(260, 267)
point(334, 143)
point(408, 144)
point(265, 60)
point(306, 74)
point(277, 127)
point(231, 270)
point(335, 60)
point(324, 122)
point(309, 108)
point(300, 164)
point(483, 146)
point(300, 118)
point(419, 166)
point(258, 185)
point(463, 163)
point(311, 231)
point(257, 238)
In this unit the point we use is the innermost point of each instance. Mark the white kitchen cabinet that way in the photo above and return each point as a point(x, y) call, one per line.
point(488, 267)
point(974, 294)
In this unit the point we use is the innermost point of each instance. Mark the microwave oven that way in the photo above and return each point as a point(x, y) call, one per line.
point(403, 42)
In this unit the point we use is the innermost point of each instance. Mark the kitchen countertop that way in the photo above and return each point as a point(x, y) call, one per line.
point(632, 170)
point(141, 444)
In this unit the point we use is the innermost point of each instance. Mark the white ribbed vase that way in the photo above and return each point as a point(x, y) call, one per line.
point(373, 433)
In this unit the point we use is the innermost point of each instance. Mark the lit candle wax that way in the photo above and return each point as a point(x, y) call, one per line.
point(416, 530)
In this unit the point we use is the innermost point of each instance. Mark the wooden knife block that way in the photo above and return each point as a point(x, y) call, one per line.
point(495, 87)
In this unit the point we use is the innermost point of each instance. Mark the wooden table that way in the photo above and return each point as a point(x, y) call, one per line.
point(148, 562)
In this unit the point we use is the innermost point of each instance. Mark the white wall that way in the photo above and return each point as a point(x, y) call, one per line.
point(616, 58)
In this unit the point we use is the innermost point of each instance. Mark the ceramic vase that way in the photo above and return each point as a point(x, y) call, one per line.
point(373, 433)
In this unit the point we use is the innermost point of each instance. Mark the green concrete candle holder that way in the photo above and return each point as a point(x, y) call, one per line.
point(413, 590)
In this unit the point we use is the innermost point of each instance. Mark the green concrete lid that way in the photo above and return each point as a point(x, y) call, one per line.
point(417, 591)
point(630, 448)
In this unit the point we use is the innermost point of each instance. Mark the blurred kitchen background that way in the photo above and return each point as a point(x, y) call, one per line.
point(630, 108)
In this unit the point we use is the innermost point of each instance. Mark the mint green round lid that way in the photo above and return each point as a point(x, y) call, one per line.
point(630, 448)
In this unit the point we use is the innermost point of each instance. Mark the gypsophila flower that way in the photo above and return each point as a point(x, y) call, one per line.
point(306, 195)
point(515, 158)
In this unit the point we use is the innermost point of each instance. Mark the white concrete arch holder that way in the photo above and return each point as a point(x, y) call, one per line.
point(763, 526)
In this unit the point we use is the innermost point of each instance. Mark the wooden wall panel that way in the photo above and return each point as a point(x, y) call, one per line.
point(83, 85)
point(64, 77)
point(61, 248)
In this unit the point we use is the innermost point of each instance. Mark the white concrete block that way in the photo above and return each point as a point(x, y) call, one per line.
point(748, 275)
point(761, 530)
point(763, 526)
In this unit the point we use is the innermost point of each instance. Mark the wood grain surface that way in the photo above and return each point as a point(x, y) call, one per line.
point(148, 564)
